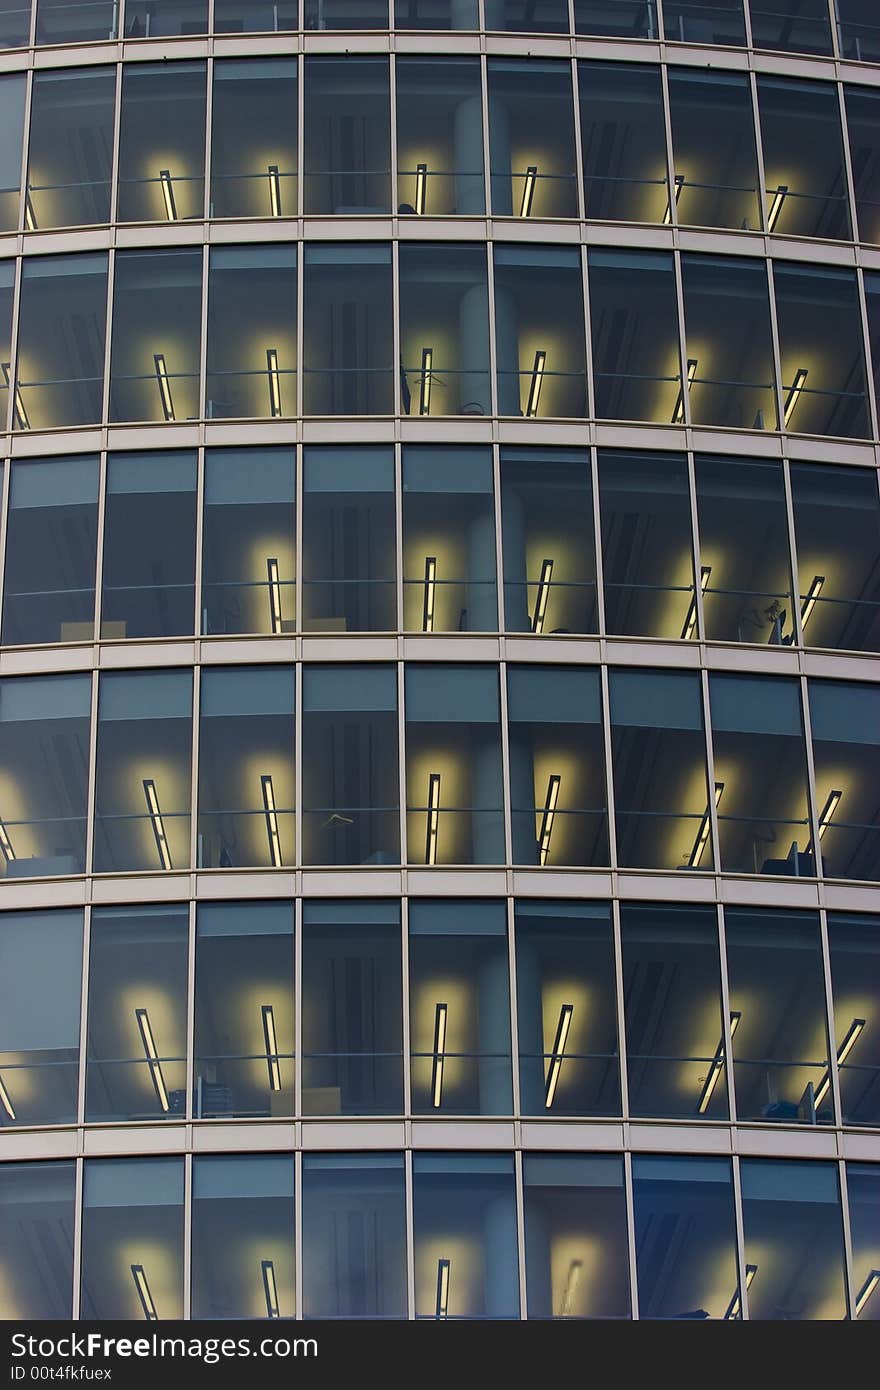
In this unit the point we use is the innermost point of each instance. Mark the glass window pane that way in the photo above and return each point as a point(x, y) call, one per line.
point(444, 330)
point(72, 21)
point(863, 124)
point(793, 1240)
point(531, 139)
point(854, 943)
point(39, 1026)
point(539, 332)
point(7, 282)
point(51, 548)
point(845, 721)
point(349, 528)
point(731, 380)
point(348, 346)
point(803, 158)
point(132, 1239)
point(136, 1050)
point(792, 26)
point(634, 316)
point(705, 21)
point(347, 159)
point(12, 95)
point(242, 1237)
point(261, 15)
point(625, 177)
point(575, 1236)
point(162, 141)
point(464, 1223)
point(713, 139)
point(436, 14)
point(15, 23)
point(70, 148)
point(858, 31)
point(152, 19)
point(36, 1240)
point(448, 540)
point(157, 311)
point(527, 16)
point(253, 131)
point(62, 323)
point(629, 19)
point(346, 14)
point(251, 369)
point(837, 528)
point(863, 1189)
point(439, 134)
point(685, 1242)
point(354, 1236)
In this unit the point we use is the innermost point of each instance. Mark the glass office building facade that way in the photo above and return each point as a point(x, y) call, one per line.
point(440, 659)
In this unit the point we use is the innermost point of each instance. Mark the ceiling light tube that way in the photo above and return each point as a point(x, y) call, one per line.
point(776, 206)
point(716, 1066)
point(702, 839)
point(149, 1046)
point(270, 1288)
point(528, 190)
point(443, 1268)
point(6, 844)
point(573, 1278)
point(433, 817)
point(543, 596)
point(5, 1100)
point(421, 188)
point(794, 394)
point(734, 1307)
point(274, 382)
point(562, 1030)
point(831, 805)
point(274, 191)
point(547, 818)
point(677, 186)
point(157, 823)
point(867, 1289)
point(274, 594)
point(536, 383)
point(164, 385)
point(30, 217)
point(271, 813)
point(678, 412)
point(270, 1038)
point(425, 381)
point(811, 598)
point(690, 622)
point(430, 586)
point(853, 1033)
point(440, 1018)
point(20, 419)
point(143, 1293)
point(168, 194)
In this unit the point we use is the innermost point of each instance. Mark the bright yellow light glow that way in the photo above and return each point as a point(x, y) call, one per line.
point(562, 1030)
point(20, 421)
point(271, 820)
point(168, 194)
point(678, 412)
point(794, 394)
point(270, 1037)
point(703, 833)
point(6, 844)
point(440, 1020)
point(547, 819)
point(164, 385)
point(274, 595)
point(690, 622)
point(812, 594)
point(866, 1290)
point(274, 191)
point(734, 1307)
point(433, 817)
point(538, 369)
point(421, 188)
point(270, 1288)
point(143, 1293)
point(831, 805)
point(528, 190)
point(853, 1033)
point(776, 206)
point(443, 1270)
point(149, 1045)
point(274, 382)
point(425, 381)
point(573, 1279)
point(30, 217)
point(157, 823)
point(677, 186)
point(5, 1100)
point(430, 593)
point(543, 596)
point(716, 1067)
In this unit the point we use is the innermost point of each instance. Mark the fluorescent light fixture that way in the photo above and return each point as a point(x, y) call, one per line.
point(274, 594)
point(164, 385)
point(440, 1017)
point(274, 190)
point(812, 595)
point(549, 813)
point(702, 839)
point(143, 1293)
point(853, 1033)
point(678, 412)
point(734, 1307)
point(433, 817)
point(690, 622)
point(270, 1037)
point(831, 805)
point(6, 844)
point(270, 1288)
point(562, 1030)
point(149, 1046)
point(271, 820)
point(421, 188)
point(20, 415)
point(274, 382)
point(538, 366)
point(443, 1268)
point(794, 394)
point(30, 217)
point(168, 194)
point(867, 1289)
point(716, 1067)
point(677, 186)
point(543, 596)
point(573, 1278)
point(779, 198)
point(157, 823)
point(5, 1101)
point(430, 584)
point(528, 190)
point(425, 381)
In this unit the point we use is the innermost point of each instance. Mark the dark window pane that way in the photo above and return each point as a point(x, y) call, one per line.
point(854, 943)
point(731, 379)
point(531, 139)
point(439, 135)
point(36, 1240)
point(793, 1240)
point(436, 14)
point(539, 332)
point(347, 160)
point(132, 1239)
point(71, 148)
point(634, 317)
point(62, 323)
point(837, 526)
point(354, 1236)
point(863, 1189)
point(858, 33)
point(623, 142)
point(792, 26)
point(251, 332)
point(713, 140)
point(253, 132)
point(628, 19)
point(685, 1242)
point(705, 21)
point(575, 1236)
point(242, 1237)
point(12, 96)
point(162, 142)
point(803, 158)
point(76, 21)
point(444, 330)
point(863, 124)
point(527, 16)
point(448, 540)
point(157, 313)
point(348, 540)
point(41, 952)
point(464, 1227)
point(845, 721)
point(148, 19)
point(149, 546)
point(348, 340)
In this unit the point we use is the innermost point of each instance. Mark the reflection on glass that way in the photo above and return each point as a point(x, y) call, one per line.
point(12, 98)
point(346, 14)
point(636, 355)
point(439, 135)
point(705, 21)
point(162, 142)
point(251, 371)
point(347, 159)
point(157, 309)
point(793, 1239)
point(855, 977)
point(625, 179)
point(248, 541)
point(464, 1224)
point(354, 1236)
point(7, 283)
point(444, 330)
point(132, 1239)
point(149, 19)
point(436, 14)
point(730, 369)
point(845, 722)
point(60, 355)
point(531, 139)
point(242, 1237)
point(253, 132)
point(575, 1236)
point(70, 148)
point(348, 540)
point(837, 528)
point(539, 330)
point(149, 550)
point(792, 26)
point(74, 21)
point(631, 19)
point(15, 23)
point(348, 342)
point(803, 158)
point(713, 141)
point(684, 1236)
point(36, 1240)
point(527, 16)
point(863, 123)
point(448, 540)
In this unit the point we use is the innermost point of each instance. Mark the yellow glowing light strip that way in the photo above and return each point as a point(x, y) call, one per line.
point(149, 1045)
point(157, 823)
point(270, 1289)
point(549, 813)
point(425, 381)
point(717, 1063)
point(678, 412)
point(690, 622)
point(274, 594)
point(443, 1268)
point(562, 1030)
point(733, 1307)
point(6, 844)
point(270, 1037)
point(703, 833)
point(421, 188)
point(274, 191)
point(5, 1100)
point(164, 385)
point(433, 817)
point(677, 185)
point(779, 198)
point(30, 217)
point(853, 1033)
point(809, 602)
point(867, 1289)
point(831, 805)
point(21, 421)
point(543, 596)
point(537, 381)
point(274, 382)
point(271, 820)
point(794, 394)
point(430, 584)
point(528, 190)
point(440, 1017)
point(575, 1270)
point(168, 194)
point(143, 1293)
